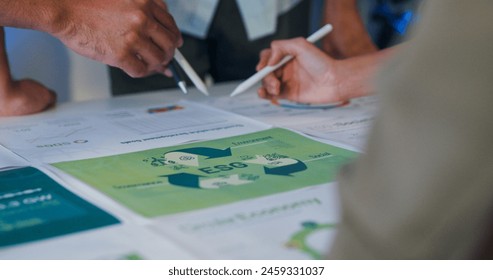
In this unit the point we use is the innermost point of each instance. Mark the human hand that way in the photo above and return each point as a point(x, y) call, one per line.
point(137, 36)
point(25, 97)
point(314, 77)
point(311, 77)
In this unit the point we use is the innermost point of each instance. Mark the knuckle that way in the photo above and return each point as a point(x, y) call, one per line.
point(274, 44)
point(171, 41)
point(265, 53)
point(131, 39)
point(159, 55)
point(154, 26)
point(141, 3)
point(154, 62)
point(138, 18)
point(299, 40)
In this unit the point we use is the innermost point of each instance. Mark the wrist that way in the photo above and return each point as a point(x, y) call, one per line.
point(5, 77)
point(328, 84)
point(52, 20)
point(352, 79)
point(362, 69)
point(6, 86)
point(27, 14)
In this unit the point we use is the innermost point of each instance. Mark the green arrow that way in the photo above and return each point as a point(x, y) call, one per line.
point(286, 170)
point(184, 180)
point(207, 152)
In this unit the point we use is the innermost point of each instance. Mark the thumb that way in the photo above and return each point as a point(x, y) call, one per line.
point(282, 48)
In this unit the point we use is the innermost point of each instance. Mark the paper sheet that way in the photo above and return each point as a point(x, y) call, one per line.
point(195, 176)
point(348, 125)
point(35, 207)
point(39, 219)
point(61, 137)
point(124, 242)
point(9, 160)
point(294, 225)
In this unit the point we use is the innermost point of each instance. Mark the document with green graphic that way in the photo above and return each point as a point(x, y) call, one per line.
point(35, 207)
point(194, 176)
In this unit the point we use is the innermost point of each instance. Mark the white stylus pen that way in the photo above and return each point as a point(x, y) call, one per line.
point(257, 77)
point(187, 68)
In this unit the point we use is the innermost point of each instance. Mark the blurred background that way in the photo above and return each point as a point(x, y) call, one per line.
point(39, 56)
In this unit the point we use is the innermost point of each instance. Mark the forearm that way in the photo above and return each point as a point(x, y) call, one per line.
point(350, 37)
point(357, 73)
point(40, 15)
point(5, 77)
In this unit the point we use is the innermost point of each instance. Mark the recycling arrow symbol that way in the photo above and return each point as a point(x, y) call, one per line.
point(193, 181)
point(286, 170)
point(184, 179)
point(207, 152)
point(277, 166)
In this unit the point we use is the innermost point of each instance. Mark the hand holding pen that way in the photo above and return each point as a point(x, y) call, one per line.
point(173, 71)
point(257, 77)
point(180, 61)
point(313, 77)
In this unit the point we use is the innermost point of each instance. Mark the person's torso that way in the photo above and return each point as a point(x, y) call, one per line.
point(194, 17)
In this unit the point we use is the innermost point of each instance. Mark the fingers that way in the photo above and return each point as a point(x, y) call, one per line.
point(160, 13)
point(282, 48)
point(161, 4)
point(155, 45)
point(164, 34)
point(262, 93)
point(26, 97)
point(264, 58)
point(271, 84)
point(152, 55)
point(162, 39)
point(133, 65)
point(52, 98)
point(168, 73)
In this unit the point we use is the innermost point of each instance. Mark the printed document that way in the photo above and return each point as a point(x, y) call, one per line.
point(62, 137)
point(346, 124)
point(9, 160)
point(196, 176)
point(294, 225)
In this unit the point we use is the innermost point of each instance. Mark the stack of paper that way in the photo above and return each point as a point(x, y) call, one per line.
point(178, 180)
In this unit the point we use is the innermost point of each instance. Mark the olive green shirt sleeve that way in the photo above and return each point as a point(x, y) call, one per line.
point(424, 189)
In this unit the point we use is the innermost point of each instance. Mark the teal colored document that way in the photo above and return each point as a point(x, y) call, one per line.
point(199, 175)
point(33, 207)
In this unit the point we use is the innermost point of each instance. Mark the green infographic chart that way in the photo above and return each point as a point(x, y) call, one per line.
point(34, 207)
point(194, 176)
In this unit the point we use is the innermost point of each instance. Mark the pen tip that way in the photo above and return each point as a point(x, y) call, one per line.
point(203, 89)
point(183, 87)
point(235, 92)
